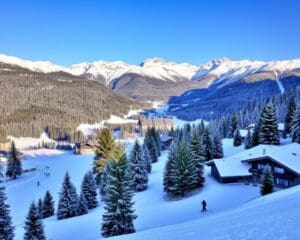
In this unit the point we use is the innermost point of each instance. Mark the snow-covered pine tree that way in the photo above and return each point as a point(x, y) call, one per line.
point(207, 145)
point(196, 152)
point(137, 168)
point(40, 208)
point(289, 115)
point(218, 147)
point(156, 136)
point(233, 125)
point(6, 228)
point(48, 205)
point(248, 140)
point(89, 190)
point(119, 213)
point(103, 182)
point(152, 146)
point(187, 129)
point(147, 158)
point(68, 199)
point(106, 145)
point(237, 139)
point(255, 136)
point(268, 132)
point(295, 126)
point(201, 127)
point(82, 206)
point(267, 181)
point(167, 183)
point(183, 175)
point(14, 165)
point(34, 228)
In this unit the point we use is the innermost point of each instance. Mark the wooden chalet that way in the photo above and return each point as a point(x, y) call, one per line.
point(85, 147)
point(166, 141)
point(249, 165)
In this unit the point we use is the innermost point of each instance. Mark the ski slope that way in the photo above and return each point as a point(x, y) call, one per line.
point(275, 216)
point(152, 206)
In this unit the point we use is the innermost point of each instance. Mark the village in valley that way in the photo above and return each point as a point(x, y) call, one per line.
point(142, 120)
point(232, 166)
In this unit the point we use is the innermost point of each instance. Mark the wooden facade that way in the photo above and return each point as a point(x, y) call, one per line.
point(85, 147)
point(283, 176)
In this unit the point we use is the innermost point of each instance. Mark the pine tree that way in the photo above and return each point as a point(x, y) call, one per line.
point(40, 208)
point(207, 145)
point(89, 190)
point(137, 169)
point(6, 228)
point(155, 134)
point(267, 181)
point(152, 147)
point(82, 206)
point(195, 148)
point(34, 228)
point(233, 125)
point(147, 158)
point(48, 205)
point(218, 147)
point(295, 126)
point(183, 175)
point(68, 199)
point(255, 136)
point(268, 132)
point(237, 139)
point(248, 140)
point(167, 182)
point(289, 116)
point(106, 145)
point(14, 165)
point(119, 214)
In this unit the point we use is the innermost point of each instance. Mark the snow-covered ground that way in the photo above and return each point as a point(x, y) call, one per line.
point(153, 208)
point(26, 142)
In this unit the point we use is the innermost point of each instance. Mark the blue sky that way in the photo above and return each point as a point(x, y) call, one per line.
point(68, 32)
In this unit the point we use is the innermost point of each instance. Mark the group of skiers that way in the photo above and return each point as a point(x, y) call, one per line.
point(46, 174)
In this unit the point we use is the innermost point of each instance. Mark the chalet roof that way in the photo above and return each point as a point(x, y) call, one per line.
point(286, 155)
point(237, 165)
point(232, 168)
point(165, 138)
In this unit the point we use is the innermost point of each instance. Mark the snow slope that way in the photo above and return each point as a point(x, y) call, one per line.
point(271, 217)
point(219, 197)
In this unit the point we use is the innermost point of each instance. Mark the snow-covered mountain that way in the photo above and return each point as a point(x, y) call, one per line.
point(38, 66)
point(225, 71)
point(157, 79)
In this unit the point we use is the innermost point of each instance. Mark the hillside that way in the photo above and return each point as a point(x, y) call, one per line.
point(193, 92)
point(32, 101)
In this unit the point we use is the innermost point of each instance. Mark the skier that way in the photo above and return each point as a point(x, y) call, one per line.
point(203, 203)
point(38, 183)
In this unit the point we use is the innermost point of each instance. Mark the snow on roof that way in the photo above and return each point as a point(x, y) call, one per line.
point(236, 165)
point(281, 126)
point(232, 167)
point(243, 132)
point(287, 155)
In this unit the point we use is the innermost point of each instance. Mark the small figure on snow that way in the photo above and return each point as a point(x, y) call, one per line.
point(38, 183)
point(203, 203)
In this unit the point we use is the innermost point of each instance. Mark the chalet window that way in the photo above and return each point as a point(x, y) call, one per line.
point(261, 166)
point(278, 170)
point(282, 182)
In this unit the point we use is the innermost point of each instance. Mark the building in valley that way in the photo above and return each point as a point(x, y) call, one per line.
point(248, 166)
